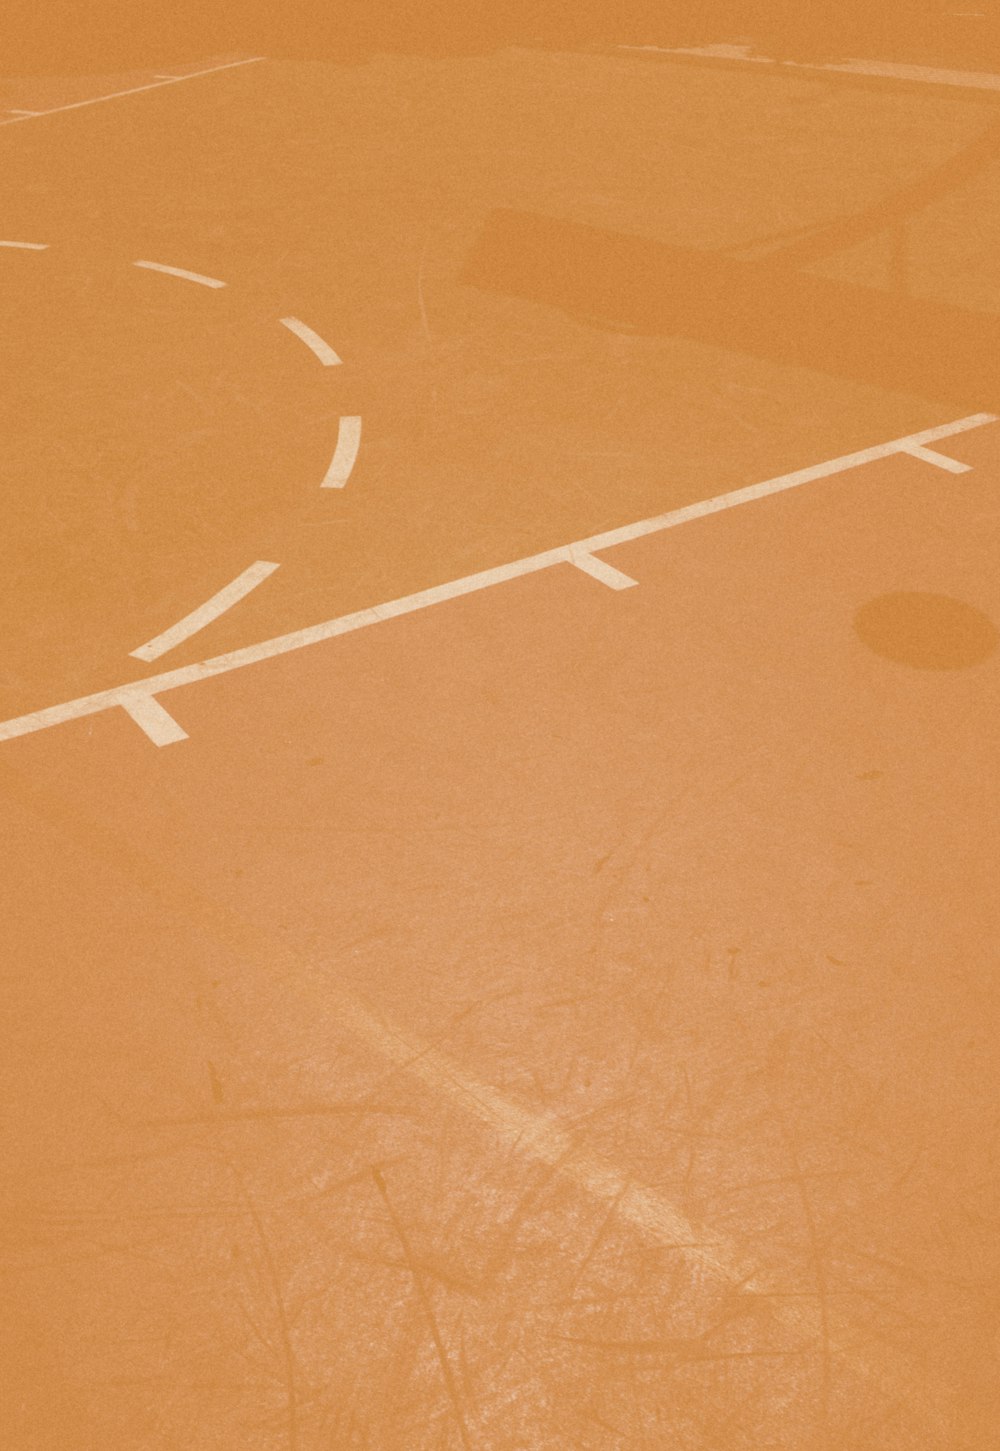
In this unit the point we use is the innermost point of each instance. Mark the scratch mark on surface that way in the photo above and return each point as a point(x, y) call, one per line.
point(420, 292)
point(448, 1375)
point(798, 1177)
point(603, 1229)
point(243, 1115)
point(284, 1331)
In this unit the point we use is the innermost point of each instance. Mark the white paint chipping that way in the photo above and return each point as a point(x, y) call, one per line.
point(27, 246)
point(344, 455)
point(13, 119)
point(886, 70)
point(157, 722)
point(470, 584)
point(599, 569)
point(180, 272)
point(220, 602)
point(312, 340)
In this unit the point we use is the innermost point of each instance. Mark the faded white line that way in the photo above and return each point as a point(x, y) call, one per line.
point(600, 569)
point(546, 1139)
point(926, 75)
point(344, 624)
point(228, 65)
point(180, 272)
point(543, 1138)
point(312, 340)
point(151, 717)
point(28, 246)
point(886, 70)
point(132, 91)
point(223, 600)
point(344, 455)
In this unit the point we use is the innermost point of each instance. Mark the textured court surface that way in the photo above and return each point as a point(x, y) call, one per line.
point(553, 1006)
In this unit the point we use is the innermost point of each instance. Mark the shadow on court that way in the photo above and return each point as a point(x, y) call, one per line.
point(765, 309)
point(117, 34)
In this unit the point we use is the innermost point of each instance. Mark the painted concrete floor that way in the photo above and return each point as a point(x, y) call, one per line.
point(498, 738)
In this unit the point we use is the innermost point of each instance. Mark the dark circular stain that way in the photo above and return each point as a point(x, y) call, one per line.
point(927, 631)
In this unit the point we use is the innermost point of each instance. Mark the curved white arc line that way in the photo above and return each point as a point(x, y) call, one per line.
point(27, 246)
point(220, 602)
point(312, 340)
point(469, 584)
point(345, 454)
point(132, 91)
point(180, 272)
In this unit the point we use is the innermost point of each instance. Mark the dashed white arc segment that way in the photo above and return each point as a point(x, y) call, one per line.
point(312, 340)
point(885, 70)
point(580, 554)
point(181, 272)
point(344, 455)
point(349, 432)
point(223, 600)
point(14, 118)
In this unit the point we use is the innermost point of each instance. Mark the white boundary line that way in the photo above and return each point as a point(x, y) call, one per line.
point(14, 120)
point(27, 246)
point(344, 455)
point(223, 600)
point(129, 696)
point(939, 460)
point(886, 70)
point(150, 716)
point(180, 272)
point(600, 569)
point(312, 340)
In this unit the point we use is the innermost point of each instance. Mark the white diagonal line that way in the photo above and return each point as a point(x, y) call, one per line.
point(312, 340)
point(470, 584)
point(180, 272)
point(220, 602)
point(132, 91)
point(883, 69)
point(600, 569)
point(939, 460)
point(151, 717)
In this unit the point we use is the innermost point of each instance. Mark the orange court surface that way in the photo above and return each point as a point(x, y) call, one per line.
point(499, 727)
